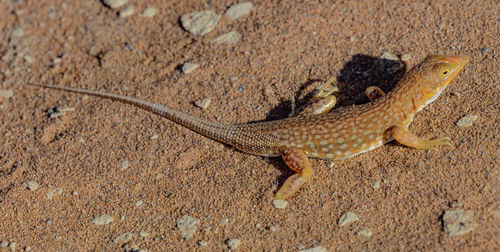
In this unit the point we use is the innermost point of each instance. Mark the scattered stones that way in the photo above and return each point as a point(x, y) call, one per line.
point(203, 243)
point(347, 218)
point(6, 93)
point(376, 184)
point(466, 121)
point(149, 12)
point(238, 10)
point(16, 33)
point(65, 109)
point(224, 221)
point(124, 165)
point(127, 11)
point(458, 222)
point(114, 4)
point(365, 233)
point(55, 114)
point(123, 238)
point(52, 193)
point(139, 203)
point(189, 67)
point(32, 185)
point(280, 204)
point(204, 103)
point(28, 59)
point(4, 244)
point(154, 136)
point(485, 49)
point(199, 23)
point(233, 243)
point(231, 37)
point(102, 219)
point(314, 249)
point(143, 234)
point(187, 226)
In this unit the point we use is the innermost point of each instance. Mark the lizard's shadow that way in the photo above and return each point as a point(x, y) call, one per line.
point(357, 74)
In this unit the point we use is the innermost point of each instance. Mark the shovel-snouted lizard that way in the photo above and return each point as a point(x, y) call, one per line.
point(318, 134)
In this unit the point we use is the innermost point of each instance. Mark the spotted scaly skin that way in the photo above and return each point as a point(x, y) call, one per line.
point(315, 133)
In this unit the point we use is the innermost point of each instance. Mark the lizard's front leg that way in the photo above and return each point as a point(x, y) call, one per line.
point(296, 160)
point(321, 103)
point(405, 137)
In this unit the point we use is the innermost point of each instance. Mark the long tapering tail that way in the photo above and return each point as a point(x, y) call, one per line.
point(214, 130)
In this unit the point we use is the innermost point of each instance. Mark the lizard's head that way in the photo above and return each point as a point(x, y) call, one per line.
point(436, 71)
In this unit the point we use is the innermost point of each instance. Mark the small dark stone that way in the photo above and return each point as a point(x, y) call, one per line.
point(485, 49)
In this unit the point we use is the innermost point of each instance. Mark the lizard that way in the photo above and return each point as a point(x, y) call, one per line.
point(316, 133)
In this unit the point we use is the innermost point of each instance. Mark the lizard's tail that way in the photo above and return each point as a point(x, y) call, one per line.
point(216, 131)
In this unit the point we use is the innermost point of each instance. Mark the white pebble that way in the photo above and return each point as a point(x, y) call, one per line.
point(365, 233)
point(18, 32)
point(458, 222)
point(32, 185)
point(102, 219)
point(204, 103)
point(187, 226)
point(139, 203)
point(189, 67)
point(113, 4)
point(149, 12)
point(233, 243)
point(52, 193)
point(231, 37)
point(4, 244)
point(347, 218)
point(12, 246)
point(238, 10)
point(200, 23)
point(143, 234)
point(28, 59)
point(124, 165)
point(6, 93)
point(123, 238)
point(389, 56)
point(203, 243)
point(467, 121)
point(280, 204)
point(127, 11)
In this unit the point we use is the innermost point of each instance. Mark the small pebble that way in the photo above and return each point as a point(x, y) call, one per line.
point(56, 114)
point(4, 244)
point(314, 249)
point(365, 233)
point(224, 221)
point(347, 218)
point(18, 32)
point(113, 4)
point(466, 121)
point(154, 136)
point(12, 246)
point(143, 234)
point(28, 59)
point(149, 12)
point(32, 185)
point(124, 165)
point(233, 243)
point(457, 94)
point(187, 226)
point(458, 222)
point(127, 11)
point(102, 219)
point(389, 56)
point(189, 67)
point(273, 228)
point(204, 103)
point(238, 10)
point(52, 193)
point(485, 49)
point(123, 238)
point(352, 39)
point(6, 93)
point(203, 243)
point(405, 57)
point(376, 184)
point(138, 203)
point(200, 23)
point(227, 38)
point(280, 204)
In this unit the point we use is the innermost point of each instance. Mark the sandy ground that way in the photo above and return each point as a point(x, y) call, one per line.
point(61, 170)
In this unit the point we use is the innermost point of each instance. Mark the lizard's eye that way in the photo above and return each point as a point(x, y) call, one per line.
point(442, 69)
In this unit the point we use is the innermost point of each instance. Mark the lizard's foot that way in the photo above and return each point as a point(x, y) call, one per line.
point(374, 93)
point(296, 160)
point(321, 103)
point(434, 143)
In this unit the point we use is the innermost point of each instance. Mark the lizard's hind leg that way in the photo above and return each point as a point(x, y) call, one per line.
point(296, 160)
